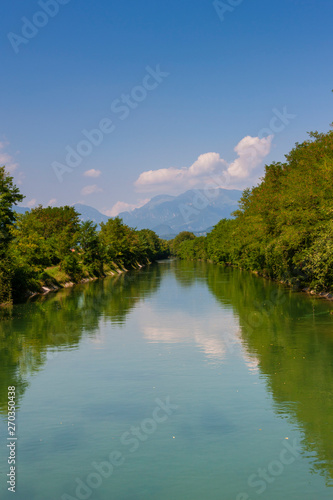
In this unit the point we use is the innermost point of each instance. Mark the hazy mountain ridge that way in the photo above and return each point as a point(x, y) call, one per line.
point(193, 210)
point(89, 213)
point(86, 213)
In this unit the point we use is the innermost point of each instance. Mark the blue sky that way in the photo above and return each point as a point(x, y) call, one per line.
point(195, 83)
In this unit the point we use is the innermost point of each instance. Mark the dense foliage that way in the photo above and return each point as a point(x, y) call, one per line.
point(284, 226)
point(9, 196)
point(49, 246)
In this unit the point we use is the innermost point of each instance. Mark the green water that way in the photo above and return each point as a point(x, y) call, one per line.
point(189, 378)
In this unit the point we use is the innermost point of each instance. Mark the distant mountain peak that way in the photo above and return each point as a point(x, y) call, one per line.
point(194, 210)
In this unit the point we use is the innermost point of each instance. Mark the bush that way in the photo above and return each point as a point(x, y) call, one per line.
point(5, 282)
point(24, 279)
point(319, 261)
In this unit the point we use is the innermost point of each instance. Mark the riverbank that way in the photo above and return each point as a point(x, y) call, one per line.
point(283, 227)
point(321, 295)
point(51, 248)
point(296, 288)
point(55, 280)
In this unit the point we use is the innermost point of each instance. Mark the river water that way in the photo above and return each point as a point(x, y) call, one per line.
point(179, 381)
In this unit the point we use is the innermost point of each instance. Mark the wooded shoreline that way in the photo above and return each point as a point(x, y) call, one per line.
point(283, 228)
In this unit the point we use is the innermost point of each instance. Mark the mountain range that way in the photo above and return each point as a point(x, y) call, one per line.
point(195, 210)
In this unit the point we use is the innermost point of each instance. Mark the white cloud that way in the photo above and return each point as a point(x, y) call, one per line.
point(214, 345)
point(206, 164)
point(184, 177)
point(52, 202)
point(250, 150)
point(32, 203)
point(91, 189)
point(7, 160)
point(121, 206)
point(92, 173)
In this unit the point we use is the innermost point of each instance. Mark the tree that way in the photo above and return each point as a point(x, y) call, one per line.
point(177, 241)
point(120, 243)
point(150, 245)
point(283, 227)
point(9, 196)
point(90, 248)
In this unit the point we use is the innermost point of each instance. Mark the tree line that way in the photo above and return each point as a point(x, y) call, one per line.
point(283, 228)
point(51, 246)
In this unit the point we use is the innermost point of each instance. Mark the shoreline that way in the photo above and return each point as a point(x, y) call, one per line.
point(47, 289)
point(319, 295)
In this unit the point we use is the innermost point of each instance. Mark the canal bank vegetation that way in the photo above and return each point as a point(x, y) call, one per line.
point(49, 248)
point(283, 228)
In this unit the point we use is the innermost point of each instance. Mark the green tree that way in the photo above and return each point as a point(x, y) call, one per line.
point(90, 248)
point(9, 196)
point(120, 243)
point(150, 245)
point(45, 236)
point(178, 240)
point(283, 227)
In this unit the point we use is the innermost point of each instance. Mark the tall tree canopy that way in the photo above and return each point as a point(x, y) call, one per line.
point(9, 195)
point(283, 227)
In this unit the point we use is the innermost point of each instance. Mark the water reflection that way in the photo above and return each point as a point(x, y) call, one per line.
point(215, 339)
point(286, 336)
point(33, 333)
point(291, 337)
